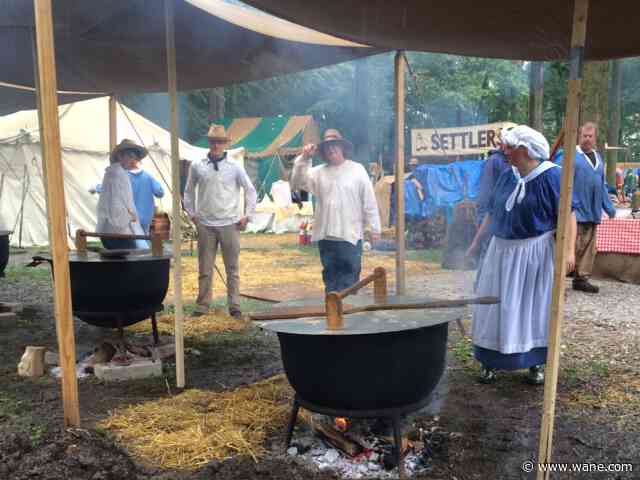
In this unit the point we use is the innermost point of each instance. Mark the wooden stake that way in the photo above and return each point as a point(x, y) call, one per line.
point(557, 307)
point(399, 183)
point(380, 284)
point(333, 305)
point(177, 207)
point(81, 241)
point(113, 122)
point(50, 138)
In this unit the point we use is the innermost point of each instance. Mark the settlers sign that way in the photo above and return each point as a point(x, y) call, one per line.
point(456, 141)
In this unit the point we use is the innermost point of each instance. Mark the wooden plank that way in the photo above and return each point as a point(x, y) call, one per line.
point(113, 122)
point(399, 183)
point(557, 306)
point(50, 137)
point(175, 184)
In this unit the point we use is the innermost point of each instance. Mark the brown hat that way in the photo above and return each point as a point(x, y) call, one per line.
point(218, 133)
point(333, 136)
point(128, 145)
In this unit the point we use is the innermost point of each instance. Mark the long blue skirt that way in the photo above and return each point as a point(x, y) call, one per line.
point(510, 361)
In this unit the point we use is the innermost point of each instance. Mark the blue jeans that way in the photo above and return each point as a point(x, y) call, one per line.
point(341, 264)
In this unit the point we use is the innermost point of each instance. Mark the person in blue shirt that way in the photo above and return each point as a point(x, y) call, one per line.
point(519, 265)
point(495, 166)
point(591, 191)
point(145, 190)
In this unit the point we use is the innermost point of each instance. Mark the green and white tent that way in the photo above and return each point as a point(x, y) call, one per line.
point(268, 142)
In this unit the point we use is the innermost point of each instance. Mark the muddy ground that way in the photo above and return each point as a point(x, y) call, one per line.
point(488, 430)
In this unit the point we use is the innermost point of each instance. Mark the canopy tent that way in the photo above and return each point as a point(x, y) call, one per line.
point(267, 140)
point(500, 28)
point(85, 154)
point(119, 47)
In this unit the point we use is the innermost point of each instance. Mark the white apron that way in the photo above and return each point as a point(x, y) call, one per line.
point(520, 274)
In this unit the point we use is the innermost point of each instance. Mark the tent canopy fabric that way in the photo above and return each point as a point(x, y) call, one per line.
point(119, 46)
point(538, 30)
point(84, 129)
point(266, 140)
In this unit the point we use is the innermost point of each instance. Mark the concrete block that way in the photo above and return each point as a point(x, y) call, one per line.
point(51, 358)
point(32, 362)
point(110, 372)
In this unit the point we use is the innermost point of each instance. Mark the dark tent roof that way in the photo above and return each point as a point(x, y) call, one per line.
point(534, 30)
point(119, 46)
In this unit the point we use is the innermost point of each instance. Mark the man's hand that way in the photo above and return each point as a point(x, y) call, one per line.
point(309, 151)
point(242, 224)
point(571, 262)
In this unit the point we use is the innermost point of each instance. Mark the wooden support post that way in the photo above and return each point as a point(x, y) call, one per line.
point(177, 204)
point(536, 97)
point(113, 122)
point(50, 138)
point(380, 284)
point(399, 183)
point(157, 249)
point(615, 106)
point(81, 241)
point(557, 306)
point(333, 305)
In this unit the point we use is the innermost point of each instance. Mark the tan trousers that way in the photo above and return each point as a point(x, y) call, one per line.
point(585, 250)
point(228, 238)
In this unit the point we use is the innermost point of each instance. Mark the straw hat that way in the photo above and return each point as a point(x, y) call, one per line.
point(127, 145)
point(217, 133)
point(333, 136)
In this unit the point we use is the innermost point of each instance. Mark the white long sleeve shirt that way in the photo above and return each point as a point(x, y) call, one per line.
point(214, 195)
point(345, 202)
point(116, 207)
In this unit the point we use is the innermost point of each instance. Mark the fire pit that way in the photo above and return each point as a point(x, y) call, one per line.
point(377, 357)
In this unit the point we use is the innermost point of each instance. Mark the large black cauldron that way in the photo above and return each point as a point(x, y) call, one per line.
point(4, 250)
point(381, 360)
point(115, 292)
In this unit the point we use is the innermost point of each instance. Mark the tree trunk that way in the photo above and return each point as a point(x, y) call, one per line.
point(615, 107)
point(536, 86)
point(361, 112)
point(216, 104)
point(595, 98)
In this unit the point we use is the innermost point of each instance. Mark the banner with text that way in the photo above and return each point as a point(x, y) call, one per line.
point(469, 140)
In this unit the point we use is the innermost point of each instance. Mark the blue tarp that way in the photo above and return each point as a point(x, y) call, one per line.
point(444, 188)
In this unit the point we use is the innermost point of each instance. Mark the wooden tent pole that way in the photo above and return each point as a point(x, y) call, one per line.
point(50, 138)
point(580, 16)
point(113, 122)
point(177, 204)
point(399, 183)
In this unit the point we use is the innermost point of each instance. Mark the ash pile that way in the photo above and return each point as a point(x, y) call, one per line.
point(359, 449)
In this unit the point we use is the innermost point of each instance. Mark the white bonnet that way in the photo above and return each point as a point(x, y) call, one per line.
point(523, 136)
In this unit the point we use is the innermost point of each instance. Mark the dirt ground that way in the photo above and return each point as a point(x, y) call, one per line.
point(488, 431)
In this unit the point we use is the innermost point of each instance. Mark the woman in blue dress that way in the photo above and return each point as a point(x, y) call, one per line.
point(519, 265)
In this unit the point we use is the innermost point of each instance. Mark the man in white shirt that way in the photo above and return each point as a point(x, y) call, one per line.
point(345, 207)
point(216, 213)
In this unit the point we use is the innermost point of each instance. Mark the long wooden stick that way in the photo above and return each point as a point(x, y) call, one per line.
point(558, 143)
point(557, 306)
point(50, 135)
point(290, 314)
point(177, 207)
point(399, 183)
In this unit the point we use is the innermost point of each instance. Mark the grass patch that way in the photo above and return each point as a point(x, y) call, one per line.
point(427, 256)
point(20, 414)
point(15, 273)
point(463, 351)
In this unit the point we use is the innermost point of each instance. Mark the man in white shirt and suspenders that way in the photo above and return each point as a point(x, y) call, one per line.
point(345, 207)
point(216, 213)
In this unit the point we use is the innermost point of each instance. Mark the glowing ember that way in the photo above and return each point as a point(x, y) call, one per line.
point(342, 424)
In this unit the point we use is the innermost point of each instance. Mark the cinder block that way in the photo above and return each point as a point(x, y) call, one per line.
point(138, 369)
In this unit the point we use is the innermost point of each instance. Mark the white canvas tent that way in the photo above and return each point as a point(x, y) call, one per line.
point(85, 154)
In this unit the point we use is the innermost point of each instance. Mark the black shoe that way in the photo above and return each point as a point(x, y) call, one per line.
point(536, 375)
point(585, 286)
point(237, 314)
point(487, 375)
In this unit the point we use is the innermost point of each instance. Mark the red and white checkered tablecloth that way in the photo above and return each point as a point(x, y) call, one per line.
point(619, 236)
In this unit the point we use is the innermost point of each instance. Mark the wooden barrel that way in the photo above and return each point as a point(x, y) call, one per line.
point(161, 225)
